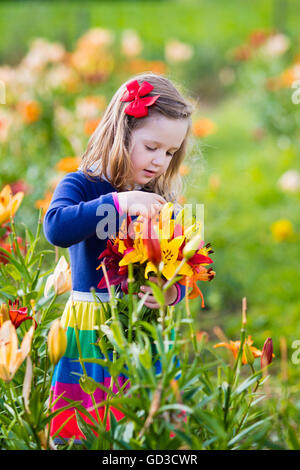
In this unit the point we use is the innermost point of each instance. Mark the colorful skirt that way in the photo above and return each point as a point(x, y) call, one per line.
point(68, 370)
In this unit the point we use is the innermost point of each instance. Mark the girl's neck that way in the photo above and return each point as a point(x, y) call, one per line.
point(93, 167)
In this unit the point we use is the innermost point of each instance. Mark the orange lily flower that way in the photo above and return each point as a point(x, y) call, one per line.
point(234, 347)
point(203, 275)
point(10, 356)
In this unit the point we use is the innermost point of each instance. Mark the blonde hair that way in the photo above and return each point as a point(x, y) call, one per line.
point(109, 145)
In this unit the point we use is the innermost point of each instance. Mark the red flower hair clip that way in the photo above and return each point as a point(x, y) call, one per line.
point(138, 105)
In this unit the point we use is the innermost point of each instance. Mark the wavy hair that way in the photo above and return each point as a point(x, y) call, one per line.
point(108, 147)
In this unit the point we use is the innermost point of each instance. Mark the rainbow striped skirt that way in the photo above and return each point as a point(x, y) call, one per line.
point(67, 372)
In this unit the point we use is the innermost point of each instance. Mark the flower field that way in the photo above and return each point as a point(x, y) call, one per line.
point(236, 385)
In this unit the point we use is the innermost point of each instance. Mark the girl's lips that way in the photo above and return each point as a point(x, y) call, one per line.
point(151, 173)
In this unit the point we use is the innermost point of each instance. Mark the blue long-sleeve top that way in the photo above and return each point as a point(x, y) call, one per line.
point(79, 211)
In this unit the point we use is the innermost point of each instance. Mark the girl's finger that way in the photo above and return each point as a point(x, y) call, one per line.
point(160, 199)
point(151, 305)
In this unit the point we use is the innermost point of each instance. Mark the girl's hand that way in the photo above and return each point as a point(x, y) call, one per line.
point(140, 203)
point(170, 294)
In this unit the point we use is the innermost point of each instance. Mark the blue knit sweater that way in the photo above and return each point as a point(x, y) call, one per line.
point(72, 222)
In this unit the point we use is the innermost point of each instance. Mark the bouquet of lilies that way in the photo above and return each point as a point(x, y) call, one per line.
point(170, 248)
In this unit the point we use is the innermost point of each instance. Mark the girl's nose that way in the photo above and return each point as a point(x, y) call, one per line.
point(159, 160)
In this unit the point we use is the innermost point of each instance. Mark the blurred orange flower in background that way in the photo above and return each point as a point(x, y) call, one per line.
point(68, 164)
point(258, 37)
point(184, 170)
point(181, 199)
point(202, 335)
point(90, 107)
point(203, 127)
point(90, 126)
point(30, 111)
point(242, 53)
point(92, 58)
point(214, 182)
point(44, 203)
point(131, 44)
point(140, 65)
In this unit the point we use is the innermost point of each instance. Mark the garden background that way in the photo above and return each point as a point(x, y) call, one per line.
point(239, 63)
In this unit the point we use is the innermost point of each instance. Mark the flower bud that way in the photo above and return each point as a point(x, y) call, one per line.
point(191, 247)
point(88, 384)
point(57, 342)
point(267, 353)
point(248, 354)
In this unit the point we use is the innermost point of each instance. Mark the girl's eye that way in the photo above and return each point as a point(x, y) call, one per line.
point(152, 150)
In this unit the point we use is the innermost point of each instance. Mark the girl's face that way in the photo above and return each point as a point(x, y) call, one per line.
point(153, 146)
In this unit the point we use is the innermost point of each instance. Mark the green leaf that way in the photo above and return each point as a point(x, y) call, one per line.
point(212, 424)
point(86, 430)
point(293, 438)
point(13, 272)
point(247, 430)
point(157, 292)
point(177, 407)
point(247, 383)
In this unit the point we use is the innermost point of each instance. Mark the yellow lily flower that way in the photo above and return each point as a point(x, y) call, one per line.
point(9, 204)
point(10, 356)
point(139, 253)
point(169, 250)
point(60, 280)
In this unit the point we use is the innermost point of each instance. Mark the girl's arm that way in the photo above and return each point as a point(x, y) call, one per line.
point(71, 219)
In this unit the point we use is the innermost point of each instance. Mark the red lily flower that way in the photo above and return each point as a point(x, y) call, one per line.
point(3, 257)
point(18, 315)
point(196, 259)
point(151, 243)
point(116, 274)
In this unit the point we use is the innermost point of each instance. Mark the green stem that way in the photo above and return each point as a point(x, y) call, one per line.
point(130, 312)
point(238, 362)
point(45, 312)
point(49, 405)
point(110, 388)
point(251, 399)
point(193, 336)
point(13, 403)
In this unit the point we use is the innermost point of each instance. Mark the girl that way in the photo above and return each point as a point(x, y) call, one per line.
point(131, 165)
